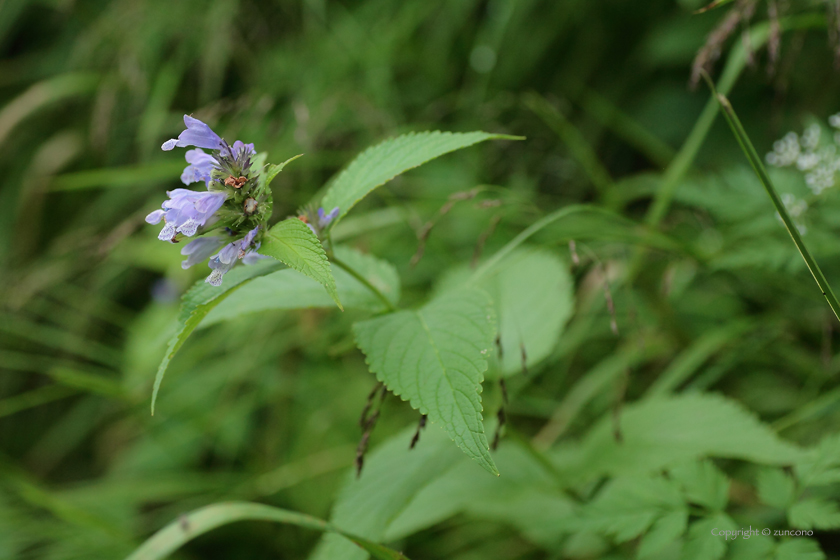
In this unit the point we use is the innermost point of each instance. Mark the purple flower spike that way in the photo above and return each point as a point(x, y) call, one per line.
point(199, 249)
point(200, 167)
point(197, 134)
point(186, 211)
point(325, 220)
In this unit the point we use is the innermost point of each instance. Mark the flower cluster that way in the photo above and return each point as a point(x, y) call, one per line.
point(231, 215)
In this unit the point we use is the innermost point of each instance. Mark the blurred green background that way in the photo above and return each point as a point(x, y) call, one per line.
point(265, 407)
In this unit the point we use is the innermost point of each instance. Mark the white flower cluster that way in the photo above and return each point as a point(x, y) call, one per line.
point(820, 164)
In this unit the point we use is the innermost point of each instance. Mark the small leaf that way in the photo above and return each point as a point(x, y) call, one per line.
point(200, 521)
point(392, 477)
point(799, 549)
point(198, 302)
point(381, 163)
point(435, 358)
point(820, 466)
point(627, 507)
point(814, 513)
point(273, 169)
point(665, 431)
point(665, 530)
point(775, 488)
point(703, 483)
point(704, 539)
point(288, 289)
point(293, 243)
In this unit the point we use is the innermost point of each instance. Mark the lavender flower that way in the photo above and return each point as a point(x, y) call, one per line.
point(317, 222)
point(186, 211)
point(197, 134)
point(225, 259)
point(325, 220)
point(235, 201)
point(199, 249)
point(200, 168)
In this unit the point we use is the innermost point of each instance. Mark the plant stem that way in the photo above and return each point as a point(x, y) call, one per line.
point(364, 281)
point(758, 167)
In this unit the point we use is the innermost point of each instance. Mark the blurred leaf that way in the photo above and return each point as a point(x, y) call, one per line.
point(198, 302)
point(534, 296)
point(820, 466)
point(293, 243)
point(381, 163)
point(627, 507)
point(435, 358)
point(757, 547)
point(287, 289)
point(775, 488)
point(200, 521)
point(702, 543)
point(665, 531)
point(526, 497)
point(814, 513)
point(799, 549)
point(392, 476)
point(665, 431)
point(703, 483)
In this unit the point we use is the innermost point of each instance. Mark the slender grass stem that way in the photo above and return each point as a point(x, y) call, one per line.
point(364, 281)
point(758, 167)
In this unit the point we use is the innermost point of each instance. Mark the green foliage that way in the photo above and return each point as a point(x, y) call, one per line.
point(715, 406)
point(379, 164)
point(196, 523)
point(294, 244)
point(197, 303)
point(287, 289)
point(435, 358)
point(532, 290)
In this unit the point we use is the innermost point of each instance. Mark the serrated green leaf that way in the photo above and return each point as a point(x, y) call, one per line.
point(814, 513)
point(799, 549)
point(191, 525)
point(293, 243)
point(381, 163)
point(704, 539)
point(628, 506)
point(775, 488)
point(392, 476)
point(665, 530)
point(287, 289)
point(703, 483)
point(663, 432)
point(198, 302)
point(435, 358)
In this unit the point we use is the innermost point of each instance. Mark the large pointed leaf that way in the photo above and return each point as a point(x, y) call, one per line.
point(191, 525)
point(381, 163)
point(198, 302)
point(435, 358)
point(292, 242)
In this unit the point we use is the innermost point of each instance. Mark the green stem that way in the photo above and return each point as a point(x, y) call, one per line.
point(364, 281)
point(758, 167)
